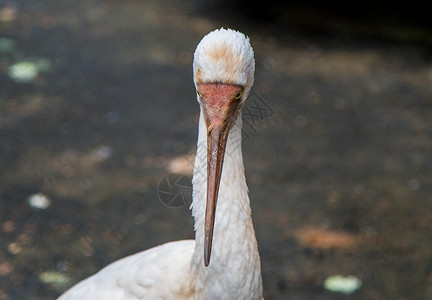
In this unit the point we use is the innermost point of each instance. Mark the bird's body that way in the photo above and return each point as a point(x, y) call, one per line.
point(223, 75)
point(151, 274)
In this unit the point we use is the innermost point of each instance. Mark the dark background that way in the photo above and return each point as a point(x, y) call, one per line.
point(339, 172)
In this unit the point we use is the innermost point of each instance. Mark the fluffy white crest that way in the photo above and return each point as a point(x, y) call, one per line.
point(226, 56)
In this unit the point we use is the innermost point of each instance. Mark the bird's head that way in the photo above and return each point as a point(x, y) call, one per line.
point(223, 70)
point(224, 56)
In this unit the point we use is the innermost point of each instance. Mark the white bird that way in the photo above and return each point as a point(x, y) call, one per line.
point(223, 70)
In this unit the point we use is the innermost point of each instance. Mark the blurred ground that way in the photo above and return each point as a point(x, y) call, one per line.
point(339, 175)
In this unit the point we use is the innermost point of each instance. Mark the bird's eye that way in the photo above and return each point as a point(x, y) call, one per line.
point(199, 94)
point(238, 96)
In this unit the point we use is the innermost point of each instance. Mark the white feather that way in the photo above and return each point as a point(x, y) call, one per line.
point(151, 274)
point(224, 55)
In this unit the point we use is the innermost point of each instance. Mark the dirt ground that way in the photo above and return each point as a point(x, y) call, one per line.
point(338, 165)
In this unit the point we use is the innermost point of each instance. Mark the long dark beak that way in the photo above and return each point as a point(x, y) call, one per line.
point(216, 143)
point(220, 110)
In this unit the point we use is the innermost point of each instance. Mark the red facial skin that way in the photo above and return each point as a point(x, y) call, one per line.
point(220, 103)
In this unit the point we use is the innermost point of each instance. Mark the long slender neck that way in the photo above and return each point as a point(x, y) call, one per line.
point(234, 271)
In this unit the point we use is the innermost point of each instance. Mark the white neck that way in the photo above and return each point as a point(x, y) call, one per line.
point(234, 271)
